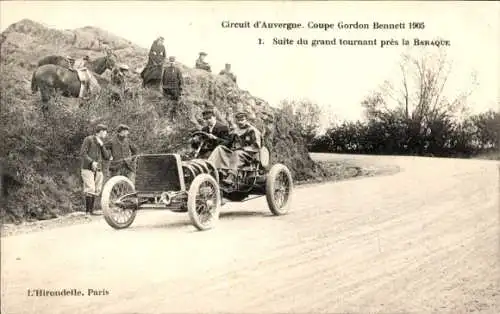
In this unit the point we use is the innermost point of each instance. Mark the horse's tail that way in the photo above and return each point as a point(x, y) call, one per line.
point(34, 85)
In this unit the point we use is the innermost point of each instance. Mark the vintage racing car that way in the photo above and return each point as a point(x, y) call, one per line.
point(165, 181)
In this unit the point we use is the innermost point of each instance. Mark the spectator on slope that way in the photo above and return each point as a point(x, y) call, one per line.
point(93, 153)
point(218, 133)
point(118, 75)
point(157, 52)
point(123, 152)
point(201, 63)
point(86, 62)
point(156, 59)
point(172, 80)
point(108, 51)
point(227, 71)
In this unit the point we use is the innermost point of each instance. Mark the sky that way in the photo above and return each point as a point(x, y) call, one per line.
point(335, 77)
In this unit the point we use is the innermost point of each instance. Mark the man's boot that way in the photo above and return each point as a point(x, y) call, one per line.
point(88, 204)
point(92, 201)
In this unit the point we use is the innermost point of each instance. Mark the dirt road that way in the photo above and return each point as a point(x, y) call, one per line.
point(423, 240)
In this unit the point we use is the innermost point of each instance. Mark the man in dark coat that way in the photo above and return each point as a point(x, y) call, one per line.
point(172, 80)
point(201, 63)
point(118, 75)
point(157, 52)
point(245, 143)
point(123, 152)
point(157, 55)
point(218, 134)
point(93, 153)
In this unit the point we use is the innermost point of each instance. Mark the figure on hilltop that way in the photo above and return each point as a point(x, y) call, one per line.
point(173, 84)
point(172, 80)
point(201, 63)
point(227, 71)
point(151, 75)
point(118, 75)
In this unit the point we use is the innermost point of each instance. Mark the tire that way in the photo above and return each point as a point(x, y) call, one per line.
point(279, 206)
point(214, 204)
point(110, 193)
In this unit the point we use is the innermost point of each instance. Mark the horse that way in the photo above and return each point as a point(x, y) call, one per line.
point(57, 60)
point(98, 65)
point(50, 78)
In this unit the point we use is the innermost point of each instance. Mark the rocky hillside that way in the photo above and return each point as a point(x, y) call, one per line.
point(43, 151)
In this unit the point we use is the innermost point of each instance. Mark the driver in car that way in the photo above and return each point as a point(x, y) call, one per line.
point(244, 143)
point(217, 134)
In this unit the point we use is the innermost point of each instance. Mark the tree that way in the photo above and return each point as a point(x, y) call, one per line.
point(417, 103)
point(306, 115)
point(487, 129)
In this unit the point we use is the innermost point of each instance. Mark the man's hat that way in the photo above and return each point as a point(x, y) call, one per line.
point(161, 38)
point(241, 114)
point(171, 58)
point(70, 58)
point(100, 127)
point(203, 53)
point(124, 67)
point(122, 127)
point(208, 111)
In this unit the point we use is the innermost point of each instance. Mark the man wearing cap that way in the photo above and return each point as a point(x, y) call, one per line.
point(118, 75)
point(227, 71)
point(201, 63)
point(86, 62)
point(245, 142)
point(93, 153)
point(172, 80)
point(217, 132)
point(123, 152)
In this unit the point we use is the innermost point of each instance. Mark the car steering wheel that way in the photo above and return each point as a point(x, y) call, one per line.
point(203, 136)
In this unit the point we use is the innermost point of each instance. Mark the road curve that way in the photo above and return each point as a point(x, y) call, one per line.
point(423, 240)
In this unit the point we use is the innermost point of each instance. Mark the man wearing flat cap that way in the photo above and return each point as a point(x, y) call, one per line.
point(218, 133)
point(93, 152)
point(124, 154)
point(201, 63)
point(118, 75)
point(244, 142)
point(172, 80)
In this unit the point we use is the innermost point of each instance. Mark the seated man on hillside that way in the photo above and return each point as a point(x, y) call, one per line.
point(245, 142)
point(201, 63)
point(218, 134)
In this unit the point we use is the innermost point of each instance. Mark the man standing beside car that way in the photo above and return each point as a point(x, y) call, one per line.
point(93, 153)
point(123, 152)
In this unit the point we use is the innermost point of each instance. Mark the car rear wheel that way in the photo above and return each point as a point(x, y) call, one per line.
point(204, 202)
point(117, 213)
point(279, 187)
